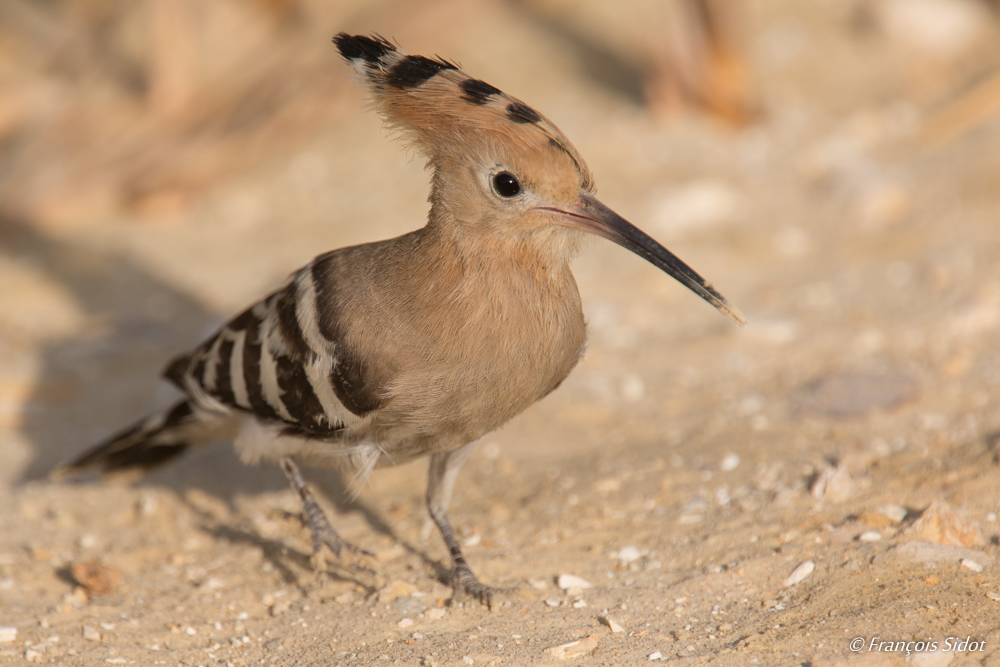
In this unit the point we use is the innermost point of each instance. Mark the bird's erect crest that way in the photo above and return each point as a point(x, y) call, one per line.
point(438, 107)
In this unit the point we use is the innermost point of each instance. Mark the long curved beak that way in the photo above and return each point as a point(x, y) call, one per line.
point(590, 215)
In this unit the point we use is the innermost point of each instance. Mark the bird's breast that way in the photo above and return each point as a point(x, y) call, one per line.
point(487, 350)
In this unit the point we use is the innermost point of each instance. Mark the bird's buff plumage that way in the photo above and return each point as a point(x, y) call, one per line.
point(417, 345)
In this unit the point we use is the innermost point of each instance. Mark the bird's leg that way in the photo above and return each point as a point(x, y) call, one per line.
point(441, 476)
point(319, 526)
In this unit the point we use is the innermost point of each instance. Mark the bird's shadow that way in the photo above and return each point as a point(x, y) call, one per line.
point(89, 386)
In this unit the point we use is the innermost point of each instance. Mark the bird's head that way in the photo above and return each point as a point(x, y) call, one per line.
point(499, 166)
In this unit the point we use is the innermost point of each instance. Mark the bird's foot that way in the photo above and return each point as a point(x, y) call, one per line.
point(323, 534)
point(464, 582)
point(320, 530)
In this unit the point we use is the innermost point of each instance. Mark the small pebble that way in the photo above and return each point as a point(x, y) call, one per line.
point(940, 524)
point(115, 661)
point(538, 584)
point(876, 520)
point(800, 573)
point(629, 554)
point(96, 577)
point(7, 634)
point(993, 596)
point(895, 512)
point(613, 624)
point(575, 649)
point(567, 581)
point(31, 655)
point(579, 604)
point(191, 632)
point(405, 623)
point(552, 602)
point(870, 536)
point(655, 655)
point(91, 634)
point(835, 485)
point(729, 462)
point(468, 660)
point(971, 564)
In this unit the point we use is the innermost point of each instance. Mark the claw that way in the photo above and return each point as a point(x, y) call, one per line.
point(464, 582)
point(327, 536)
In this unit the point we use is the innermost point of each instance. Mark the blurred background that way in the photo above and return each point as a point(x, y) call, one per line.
point(833, 166)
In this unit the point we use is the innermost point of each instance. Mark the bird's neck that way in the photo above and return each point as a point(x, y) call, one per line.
point(542, 255)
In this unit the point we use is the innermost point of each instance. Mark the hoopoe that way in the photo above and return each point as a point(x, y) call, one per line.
point(417, 345)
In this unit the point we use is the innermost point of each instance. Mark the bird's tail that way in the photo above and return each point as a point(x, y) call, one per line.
point(147, 444)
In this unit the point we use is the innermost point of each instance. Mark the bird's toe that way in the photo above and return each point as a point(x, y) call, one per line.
point(464, 582)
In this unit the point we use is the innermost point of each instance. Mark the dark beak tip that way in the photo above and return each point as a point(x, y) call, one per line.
point(594, 217)
point(735, 315)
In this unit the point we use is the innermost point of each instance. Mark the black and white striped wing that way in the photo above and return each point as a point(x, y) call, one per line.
point(274, 362)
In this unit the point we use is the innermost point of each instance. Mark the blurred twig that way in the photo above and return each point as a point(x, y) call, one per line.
point(700, 62)
point(970, 109)
point(691, 57)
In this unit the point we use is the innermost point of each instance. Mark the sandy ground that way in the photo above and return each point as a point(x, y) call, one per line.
point(849, 434)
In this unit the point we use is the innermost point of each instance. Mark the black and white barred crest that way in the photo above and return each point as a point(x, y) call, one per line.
point(277, 362)
point(433, 102)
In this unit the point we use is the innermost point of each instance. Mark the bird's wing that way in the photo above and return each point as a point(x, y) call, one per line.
point(278, 362)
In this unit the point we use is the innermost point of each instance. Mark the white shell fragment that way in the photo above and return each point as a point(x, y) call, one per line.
point(629, 554)
point(576, 649)
point(895, 513)
point(7, 634)
point(971, 564)
point(800, 573)
point(568, 581)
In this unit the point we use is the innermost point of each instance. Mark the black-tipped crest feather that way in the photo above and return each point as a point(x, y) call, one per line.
point(435, 104)
point(370, 49)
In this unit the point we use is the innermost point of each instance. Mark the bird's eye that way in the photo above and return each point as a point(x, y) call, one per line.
point(506, 184)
